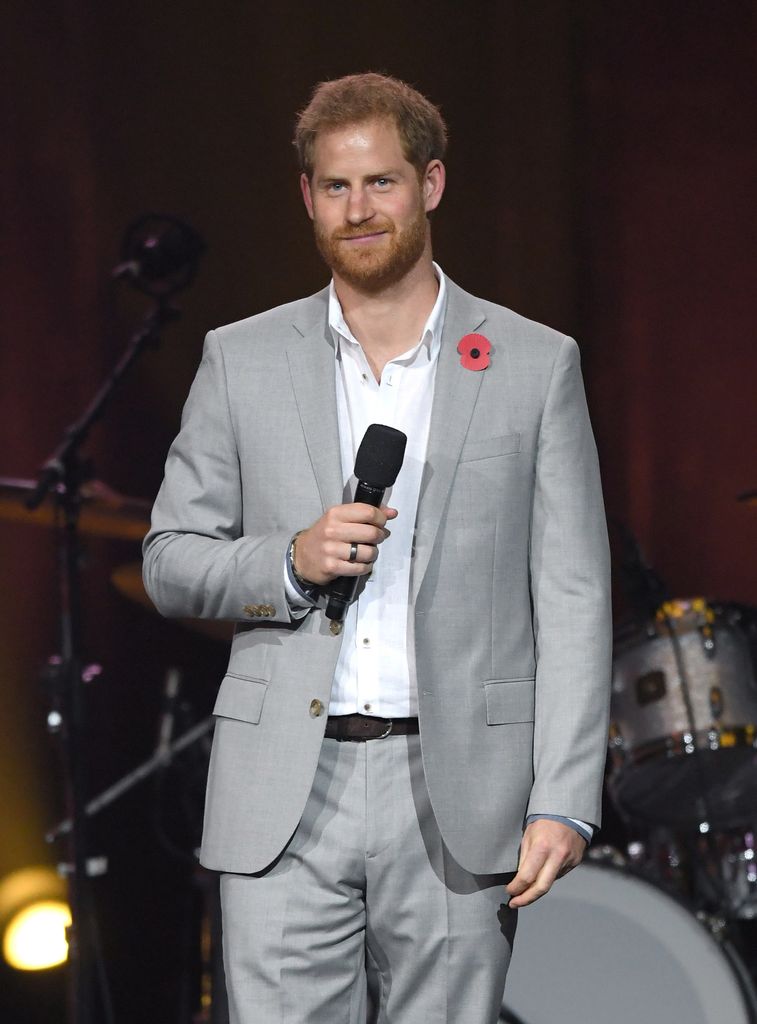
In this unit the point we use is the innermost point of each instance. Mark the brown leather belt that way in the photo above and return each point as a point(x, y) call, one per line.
point(366, 727)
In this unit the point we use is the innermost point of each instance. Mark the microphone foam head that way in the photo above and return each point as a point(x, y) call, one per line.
point(379, 457)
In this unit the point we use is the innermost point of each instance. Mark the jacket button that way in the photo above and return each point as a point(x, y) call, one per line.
point(316, 708)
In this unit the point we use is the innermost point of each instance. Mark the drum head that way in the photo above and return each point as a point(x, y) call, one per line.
point(605, 945)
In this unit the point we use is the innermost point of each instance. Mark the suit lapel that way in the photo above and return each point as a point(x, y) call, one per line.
point(455, 394)
point(311, 365)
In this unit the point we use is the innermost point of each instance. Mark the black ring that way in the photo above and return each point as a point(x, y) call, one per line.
point(353, 553)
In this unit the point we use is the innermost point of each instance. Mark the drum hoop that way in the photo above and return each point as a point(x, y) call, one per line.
point(679, 744)
point(630, 633)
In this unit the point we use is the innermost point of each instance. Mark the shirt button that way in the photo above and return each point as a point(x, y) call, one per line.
point(366, 641)
point(367, 707)
point(364, 376)
point(316, 708)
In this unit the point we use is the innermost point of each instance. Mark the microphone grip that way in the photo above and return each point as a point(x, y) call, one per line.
point(368, 494)
point(342, 589)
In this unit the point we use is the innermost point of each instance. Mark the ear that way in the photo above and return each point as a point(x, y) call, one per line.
point(306, 194)
point(434, 181)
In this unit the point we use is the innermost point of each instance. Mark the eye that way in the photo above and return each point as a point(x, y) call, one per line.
point(335, 187)
point(383, 182)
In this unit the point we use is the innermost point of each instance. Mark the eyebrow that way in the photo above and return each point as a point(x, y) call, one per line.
point(328, 179)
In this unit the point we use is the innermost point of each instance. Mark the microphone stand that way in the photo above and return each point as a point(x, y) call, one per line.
point(158, 760)
point(63, 474)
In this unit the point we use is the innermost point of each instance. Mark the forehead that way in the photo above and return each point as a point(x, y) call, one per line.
point(358, 148)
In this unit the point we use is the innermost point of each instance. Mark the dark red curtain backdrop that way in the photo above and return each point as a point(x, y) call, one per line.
point(601, 179)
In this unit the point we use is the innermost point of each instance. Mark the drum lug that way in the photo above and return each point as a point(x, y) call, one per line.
point(716, 702)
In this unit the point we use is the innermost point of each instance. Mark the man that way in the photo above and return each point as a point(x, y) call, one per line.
point(368, 790)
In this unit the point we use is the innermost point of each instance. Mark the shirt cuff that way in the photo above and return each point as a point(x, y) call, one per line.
point(300, 599)
point(583, 828)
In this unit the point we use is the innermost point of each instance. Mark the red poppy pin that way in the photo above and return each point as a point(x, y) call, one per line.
point(474, 351)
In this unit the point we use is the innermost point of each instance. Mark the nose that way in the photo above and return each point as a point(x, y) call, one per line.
point(359, 207)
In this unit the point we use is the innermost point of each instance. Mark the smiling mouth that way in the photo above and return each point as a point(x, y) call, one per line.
point(362, 238)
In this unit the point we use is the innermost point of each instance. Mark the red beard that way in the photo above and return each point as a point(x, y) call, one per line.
point(380, 264)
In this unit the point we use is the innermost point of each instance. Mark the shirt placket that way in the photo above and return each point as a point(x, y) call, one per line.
point(374, 616)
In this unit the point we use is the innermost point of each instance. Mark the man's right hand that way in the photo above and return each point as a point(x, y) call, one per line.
point(322, 552)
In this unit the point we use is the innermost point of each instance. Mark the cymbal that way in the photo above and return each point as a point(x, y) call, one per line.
point(104, 512)
point(127, 579)
point(748, 497)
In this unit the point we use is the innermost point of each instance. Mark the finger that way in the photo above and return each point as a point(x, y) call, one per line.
point(360, 553)
point(365, 553)
point(528, 872)
point(359, 512)
point(545, 840)
point(539, 887)
point(337, 535)
point(339, 563)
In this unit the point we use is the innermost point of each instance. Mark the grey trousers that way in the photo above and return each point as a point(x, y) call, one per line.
point(366, 917)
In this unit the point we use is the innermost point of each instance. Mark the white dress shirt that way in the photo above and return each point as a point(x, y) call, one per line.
point(374, 674)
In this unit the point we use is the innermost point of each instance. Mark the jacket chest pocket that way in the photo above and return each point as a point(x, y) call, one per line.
point(490, 447)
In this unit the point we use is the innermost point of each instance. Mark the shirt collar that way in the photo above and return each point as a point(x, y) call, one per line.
point(431, 335)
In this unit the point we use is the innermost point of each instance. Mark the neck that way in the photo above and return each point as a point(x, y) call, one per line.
point(389, 322)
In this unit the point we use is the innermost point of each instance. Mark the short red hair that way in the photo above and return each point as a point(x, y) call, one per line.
point(356, 99)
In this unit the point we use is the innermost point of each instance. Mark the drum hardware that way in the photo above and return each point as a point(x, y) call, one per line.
point(714, 872)
point(717, 926)
point(163, 756)
point(727, 881)
point(213, 1007)
point(606, 854)
point(674, 610)
point(667, 615)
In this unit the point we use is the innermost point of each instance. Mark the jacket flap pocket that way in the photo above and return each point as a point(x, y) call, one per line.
point(509, 701)
point(488, 447)
point(240, 697)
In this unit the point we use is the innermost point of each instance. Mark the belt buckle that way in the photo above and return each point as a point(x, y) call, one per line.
point(389, 729)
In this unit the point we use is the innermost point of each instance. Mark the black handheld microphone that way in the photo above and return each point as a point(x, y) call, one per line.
point(379, 460)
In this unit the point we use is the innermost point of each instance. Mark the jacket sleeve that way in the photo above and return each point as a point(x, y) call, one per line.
point(570, 588)
point(197, 562)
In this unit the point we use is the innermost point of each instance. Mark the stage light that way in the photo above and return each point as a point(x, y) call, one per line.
point(33, 919)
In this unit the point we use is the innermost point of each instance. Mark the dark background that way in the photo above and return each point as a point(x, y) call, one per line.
point(601, 173)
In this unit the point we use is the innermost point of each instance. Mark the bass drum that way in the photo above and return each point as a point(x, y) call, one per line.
point(606, 945)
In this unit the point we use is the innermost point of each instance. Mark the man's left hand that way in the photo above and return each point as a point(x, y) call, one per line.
point(548, 851)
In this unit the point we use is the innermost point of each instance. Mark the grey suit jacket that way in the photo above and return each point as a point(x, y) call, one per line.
point(510, 623)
